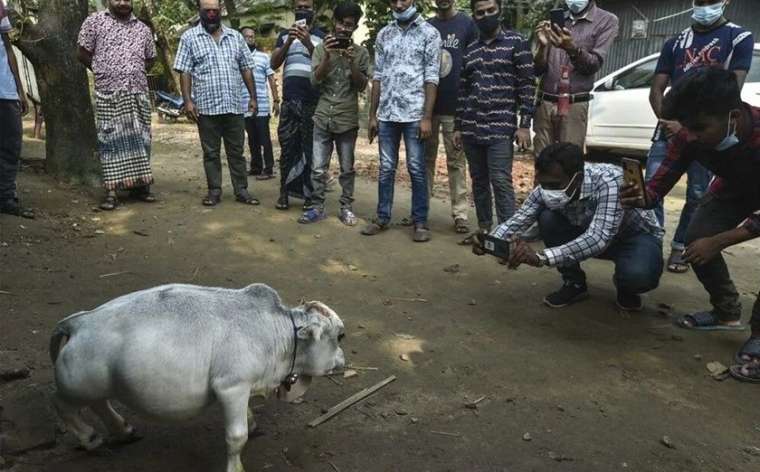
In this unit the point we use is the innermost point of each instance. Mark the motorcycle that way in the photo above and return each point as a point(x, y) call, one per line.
point(170, 107)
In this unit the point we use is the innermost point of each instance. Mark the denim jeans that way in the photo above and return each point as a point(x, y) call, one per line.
point(345, 144)
point(491, 168)
point(696, 188)
point(389, 139)
point(10, 147)
point(638, 259)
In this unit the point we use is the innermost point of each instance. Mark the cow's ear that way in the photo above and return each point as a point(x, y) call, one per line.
point(310, 331)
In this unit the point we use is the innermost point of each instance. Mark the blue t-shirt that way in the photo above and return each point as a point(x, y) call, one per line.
point(296, 82)
point(8, 89)
point(457, 33)
point(729, 46)
point(261, 73)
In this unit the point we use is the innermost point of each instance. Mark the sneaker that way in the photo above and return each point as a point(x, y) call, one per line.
point(567, 295)
point(629, 302)
point(312, 215)
point(265, 176)
point(347, 217)
point(254, 172)
point(421, 233)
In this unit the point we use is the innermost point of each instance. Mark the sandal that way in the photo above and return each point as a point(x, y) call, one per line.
point(676, 262)
point(312, 215)
point(282, 203)
point(212, 199)
point(407, 221)
point(746, 373)
point(460, 226)
point(247, 198)
point(705, 321)
point(750, 349)
point(143, 194)
point(109, 203)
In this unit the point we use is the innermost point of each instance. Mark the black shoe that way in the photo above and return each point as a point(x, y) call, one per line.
point(629, 302)
point(254, 172)
point(12, 207)
point(567, 295)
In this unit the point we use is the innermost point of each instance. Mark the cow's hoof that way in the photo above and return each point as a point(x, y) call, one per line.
point(93, 442)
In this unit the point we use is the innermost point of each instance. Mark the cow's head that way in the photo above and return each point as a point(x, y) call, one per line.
point(319, 333)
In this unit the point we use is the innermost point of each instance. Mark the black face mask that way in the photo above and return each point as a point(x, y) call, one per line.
point(252, 47)
point(210, 25)
point(488, 24)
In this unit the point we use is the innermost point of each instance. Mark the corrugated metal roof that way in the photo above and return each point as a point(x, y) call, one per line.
point(664, 22)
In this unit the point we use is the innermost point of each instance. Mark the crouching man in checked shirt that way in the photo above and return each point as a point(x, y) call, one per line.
point(119, 50)
point(580, 216)
point(211, 59)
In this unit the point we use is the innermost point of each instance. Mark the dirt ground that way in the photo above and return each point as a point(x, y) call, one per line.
point(595, 389)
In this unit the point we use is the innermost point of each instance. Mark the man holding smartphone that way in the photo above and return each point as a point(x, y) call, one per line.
point(340, 70)
point(576, 51)
point(294, 49)
point(712, 41)
point(580, 216)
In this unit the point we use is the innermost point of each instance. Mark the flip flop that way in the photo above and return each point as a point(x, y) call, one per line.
point(676, 262)
point(749, 373)
point(212, 199)
point(751, 348)
point(460, 226)
point(109, 203)
point(704, 321)
point(247, 198)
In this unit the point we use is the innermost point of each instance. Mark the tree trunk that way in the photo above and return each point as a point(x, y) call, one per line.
point(51, 46)
point(232, 13)
point(165, 56)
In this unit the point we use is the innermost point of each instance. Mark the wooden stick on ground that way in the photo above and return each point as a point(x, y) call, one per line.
point(355, 398)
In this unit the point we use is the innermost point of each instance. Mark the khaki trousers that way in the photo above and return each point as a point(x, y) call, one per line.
point(456, 165)
point(551, 128)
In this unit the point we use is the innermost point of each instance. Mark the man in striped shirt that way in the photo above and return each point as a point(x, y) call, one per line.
point(496, 84)
point(580, 215)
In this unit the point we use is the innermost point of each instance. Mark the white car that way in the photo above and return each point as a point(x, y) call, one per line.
point(621, 120)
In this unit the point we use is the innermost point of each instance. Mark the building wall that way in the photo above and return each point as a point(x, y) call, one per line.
point(626, 50)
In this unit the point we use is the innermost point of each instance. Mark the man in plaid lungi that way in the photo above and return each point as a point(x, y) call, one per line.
point(119, 50)
point(580, 216)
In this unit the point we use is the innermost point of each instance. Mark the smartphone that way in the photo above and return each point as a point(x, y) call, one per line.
point(343, 42)
point(301, 23)
point(633, 174)
point(557, 17)
point(494, 246)
point(303, 17)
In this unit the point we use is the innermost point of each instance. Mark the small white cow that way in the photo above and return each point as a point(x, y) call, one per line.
point(171, 351)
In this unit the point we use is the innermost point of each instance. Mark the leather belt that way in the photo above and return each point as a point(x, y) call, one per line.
point(576, 98)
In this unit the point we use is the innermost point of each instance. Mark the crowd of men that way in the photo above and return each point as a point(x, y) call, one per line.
point(482, 87)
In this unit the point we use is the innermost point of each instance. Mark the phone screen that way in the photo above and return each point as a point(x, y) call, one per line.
point(557, 17)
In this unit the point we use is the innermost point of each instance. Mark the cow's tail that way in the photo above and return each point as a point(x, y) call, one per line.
point(61, 334)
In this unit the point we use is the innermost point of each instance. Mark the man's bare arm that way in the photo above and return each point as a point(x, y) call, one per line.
point(85, 57)
point(657, 92)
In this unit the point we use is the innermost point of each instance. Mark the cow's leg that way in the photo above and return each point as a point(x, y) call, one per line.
point(71, 416)
point(234, 401)
point(251, 421)
point(120, 431)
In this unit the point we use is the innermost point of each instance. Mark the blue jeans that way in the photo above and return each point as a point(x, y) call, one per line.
point(638, 258)
point(389, 138)
point(696, 188)
point(491, 167)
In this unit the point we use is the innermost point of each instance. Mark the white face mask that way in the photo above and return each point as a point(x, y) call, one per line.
point(558, 199)
point(730, 140)
point(576, 6)
point(708, 14)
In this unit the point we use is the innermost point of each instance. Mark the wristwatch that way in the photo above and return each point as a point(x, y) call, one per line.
point(543, 261)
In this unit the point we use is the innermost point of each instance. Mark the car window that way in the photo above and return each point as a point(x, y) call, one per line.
point(754, 72)
point(639, 77)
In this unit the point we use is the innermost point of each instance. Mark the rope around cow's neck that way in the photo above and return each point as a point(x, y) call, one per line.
point(292, 377)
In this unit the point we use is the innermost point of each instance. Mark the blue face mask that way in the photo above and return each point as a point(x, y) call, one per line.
point(576, 6)
point(730, 140)
point(708, 14)
point(405, 15)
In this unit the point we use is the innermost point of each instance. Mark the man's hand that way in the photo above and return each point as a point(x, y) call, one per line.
point(671, 127)
point(631, 197)
point(457, 140)
point(522, 138)
point(372, 129)
point(330, 44)
point(276, 108)
point(702, 251)
point(252, 106)
point(426, 129)
point(562, 38)
point(542, 33)
point(292, 34)
point(349, 54)
point(303, 35)
point(24, 105)
point(191, 111)
point(522, 253)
